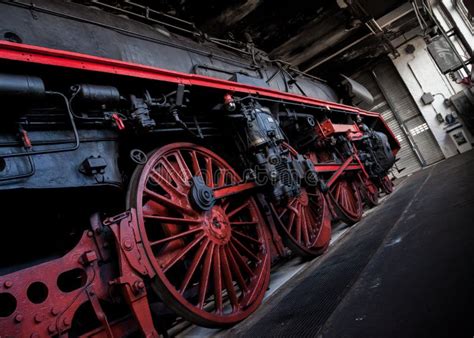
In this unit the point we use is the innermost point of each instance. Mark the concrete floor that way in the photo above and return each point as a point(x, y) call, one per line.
point(405, 270)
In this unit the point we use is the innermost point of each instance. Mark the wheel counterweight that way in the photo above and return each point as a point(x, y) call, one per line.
point(210, 256)
point(346, 200)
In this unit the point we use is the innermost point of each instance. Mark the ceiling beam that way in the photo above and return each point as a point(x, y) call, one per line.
point(383, 22)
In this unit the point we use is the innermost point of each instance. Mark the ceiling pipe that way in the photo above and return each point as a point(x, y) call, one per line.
point(381, 23)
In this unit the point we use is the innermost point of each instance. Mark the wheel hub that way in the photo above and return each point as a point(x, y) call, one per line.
point(218, 225)
point(200, 195)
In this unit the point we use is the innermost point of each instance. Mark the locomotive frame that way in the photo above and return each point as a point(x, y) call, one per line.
point(126, 275)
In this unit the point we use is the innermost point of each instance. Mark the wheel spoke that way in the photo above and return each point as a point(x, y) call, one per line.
point(291, 222)
point(246, 237)
point(298, 227)
point(293, 201)
point(338, 191)
point(206, 268)
point(182, 253)
point(217, 281)
point(240, 260)
point(183, 166)
point(341, 200)
point(221, 181)
point(174, 220)
point(168, 203)
point(236, 269)
point(165, 184)
point(304, 226)
point(170, 169)
point(178, 236)
point(244, 223)
point(237, 210)
point(229, 285)
point(193, 266)
point(246, 250)
point(209, 173)
point(195, 164)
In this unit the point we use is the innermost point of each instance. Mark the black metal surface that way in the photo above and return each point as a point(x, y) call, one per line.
point(463, 102)
point(72, 27)
point(14, 86)
point(61, 169)
point(404, 271)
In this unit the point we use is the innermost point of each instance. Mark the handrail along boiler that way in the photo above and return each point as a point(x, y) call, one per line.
point(161, 175)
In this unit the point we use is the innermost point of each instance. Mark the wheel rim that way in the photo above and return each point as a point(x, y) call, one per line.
point(346, 201)
point(304, 222)
point(212, 265)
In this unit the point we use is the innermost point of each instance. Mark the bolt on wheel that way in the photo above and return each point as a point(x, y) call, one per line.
point(210, 256)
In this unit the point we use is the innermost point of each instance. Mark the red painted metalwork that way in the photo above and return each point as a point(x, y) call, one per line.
point(331, 167)
point(346, 200)
point(339, 171)
point(327, 129)
point(386, 185)
point(224, 248)
point(368, 190)
point(133, 266)
point(343, 187)
point(304, 220)
point(60, 58)
point(223, 192)
point(45, 302)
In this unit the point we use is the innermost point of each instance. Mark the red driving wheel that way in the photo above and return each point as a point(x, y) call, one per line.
point(211, 257)
point(346, 200)
point(304, 220)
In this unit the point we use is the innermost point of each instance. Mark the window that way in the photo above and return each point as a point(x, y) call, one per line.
point(419, 129)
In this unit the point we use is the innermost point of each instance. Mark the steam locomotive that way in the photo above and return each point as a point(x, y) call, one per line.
point(150, 172)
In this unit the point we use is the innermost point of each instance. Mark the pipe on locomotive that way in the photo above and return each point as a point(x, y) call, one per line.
point(21, 86)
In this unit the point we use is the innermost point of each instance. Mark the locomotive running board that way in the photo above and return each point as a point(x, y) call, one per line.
point(60, 58)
